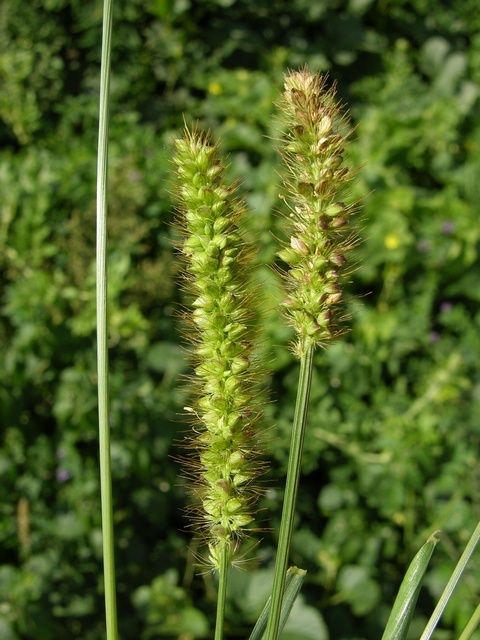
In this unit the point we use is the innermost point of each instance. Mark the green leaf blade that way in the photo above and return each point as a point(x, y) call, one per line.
point(293, 584)
point(406, 600)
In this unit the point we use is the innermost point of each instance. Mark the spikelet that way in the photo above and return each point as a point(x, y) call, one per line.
point(226, 407)
point(316, 184)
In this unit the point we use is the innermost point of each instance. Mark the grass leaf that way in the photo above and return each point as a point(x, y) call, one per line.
point(404, 606)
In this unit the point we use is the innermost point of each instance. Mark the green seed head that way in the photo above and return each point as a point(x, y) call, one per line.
point(316, 183)
point(215, 256)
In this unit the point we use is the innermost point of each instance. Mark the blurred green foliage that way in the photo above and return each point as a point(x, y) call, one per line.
point(391, 453)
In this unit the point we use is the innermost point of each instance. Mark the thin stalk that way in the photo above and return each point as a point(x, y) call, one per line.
point(451, 584)
point(471, 625)
point(102, 346)
point(291, 490)
point(222, 593)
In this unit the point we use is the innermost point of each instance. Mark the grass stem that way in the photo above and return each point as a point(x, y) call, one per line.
point(471, 625)
point(291, 490)
point(222, 593)
point(102, 344)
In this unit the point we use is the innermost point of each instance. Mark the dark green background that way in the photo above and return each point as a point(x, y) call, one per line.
point(392, 448)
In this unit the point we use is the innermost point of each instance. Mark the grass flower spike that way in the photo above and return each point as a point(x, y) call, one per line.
point(316, 183)
point(224, 413)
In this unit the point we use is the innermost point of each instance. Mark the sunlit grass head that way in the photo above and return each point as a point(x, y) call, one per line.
point(316, 189)
point(225, 409)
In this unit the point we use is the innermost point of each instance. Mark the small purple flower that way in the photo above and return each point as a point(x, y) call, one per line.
point(446, 306)
point(135, 176)
point(434, 337)
point(62, 475)
point(448, 227)
point(423, 245)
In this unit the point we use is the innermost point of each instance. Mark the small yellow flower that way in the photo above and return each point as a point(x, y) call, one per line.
point(215, 88)
point(392, 241)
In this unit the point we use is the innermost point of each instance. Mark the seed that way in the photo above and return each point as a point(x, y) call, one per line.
point(299, 245)
point(223, 484)
point(339, 221)
point(324, 125)
point(333, 298)
point(338, 258)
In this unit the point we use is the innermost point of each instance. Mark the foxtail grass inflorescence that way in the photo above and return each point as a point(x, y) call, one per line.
point(225, 408)
point(316, 184)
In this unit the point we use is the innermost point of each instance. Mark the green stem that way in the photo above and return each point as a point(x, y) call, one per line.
point(451, 584)
point(102, 346)
point(222, 593)
point(291, 490)
point(471, 625)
